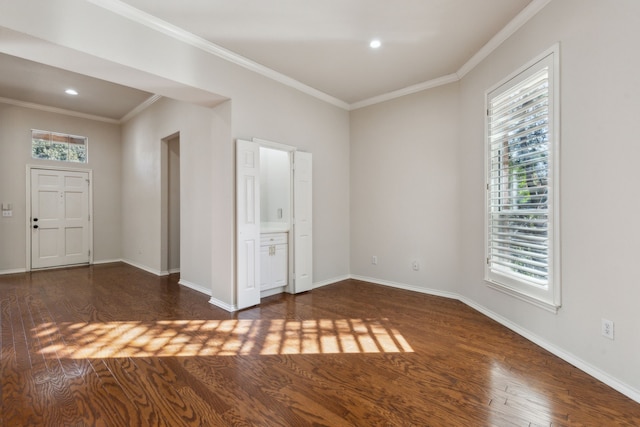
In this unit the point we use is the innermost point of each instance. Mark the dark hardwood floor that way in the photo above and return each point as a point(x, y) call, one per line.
point(111, 345)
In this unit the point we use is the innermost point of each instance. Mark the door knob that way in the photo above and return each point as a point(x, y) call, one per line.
point(35, 219)
point(35, 226)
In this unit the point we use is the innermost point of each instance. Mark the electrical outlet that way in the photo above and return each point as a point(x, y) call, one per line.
point(374, 260)
point(7, 213)
point(607, 328)
point(415, 265)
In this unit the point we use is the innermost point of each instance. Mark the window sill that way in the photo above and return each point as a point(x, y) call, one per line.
point(522, 296)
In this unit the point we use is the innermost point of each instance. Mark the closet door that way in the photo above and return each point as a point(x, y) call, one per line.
point(303, 225)
point(248, 224)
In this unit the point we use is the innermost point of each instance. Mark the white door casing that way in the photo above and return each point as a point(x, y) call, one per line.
point(247, 223)
point(248, 257)
point(60, 218)
point(303, 224)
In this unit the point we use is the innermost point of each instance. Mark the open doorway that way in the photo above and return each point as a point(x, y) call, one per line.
point(170, 246)
point(279, 241)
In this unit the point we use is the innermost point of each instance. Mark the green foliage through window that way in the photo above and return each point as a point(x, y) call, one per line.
point(58, 146)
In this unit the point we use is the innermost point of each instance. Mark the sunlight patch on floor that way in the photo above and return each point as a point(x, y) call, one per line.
point(232, 337)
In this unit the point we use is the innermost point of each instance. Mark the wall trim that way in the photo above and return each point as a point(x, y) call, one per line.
point(223, 305)
point(330, 281)
point(13, 271)
point(586, 367)
point(177, 33)
point(129, 12)
point(34, 106)
point(107, 261)
point(429, 291)
point(514, 25)
point(440, 81)
point(195, 287)
point(568, 357)
point(144, 267)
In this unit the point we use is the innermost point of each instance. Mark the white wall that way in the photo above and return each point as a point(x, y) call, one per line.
point(404, 186)
point(142, 196)
point(15, 153)
point(417, 178)
point(599, 151)
point(259, 107)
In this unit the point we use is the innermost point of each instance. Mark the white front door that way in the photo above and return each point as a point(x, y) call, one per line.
point(59, 218)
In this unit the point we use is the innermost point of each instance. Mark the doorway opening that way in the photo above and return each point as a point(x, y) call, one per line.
point(275, 220)
point(170, 200)
point(278, 242)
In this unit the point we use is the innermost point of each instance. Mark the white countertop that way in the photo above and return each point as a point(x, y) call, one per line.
point(274, 227)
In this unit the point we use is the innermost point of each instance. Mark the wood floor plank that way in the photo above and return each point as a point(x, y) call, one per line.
point(116, 346)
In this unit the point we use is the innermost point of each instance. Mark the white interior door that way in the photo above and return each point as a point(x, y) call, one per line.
point(303, 224)
point(59, 218)
point(247, 223)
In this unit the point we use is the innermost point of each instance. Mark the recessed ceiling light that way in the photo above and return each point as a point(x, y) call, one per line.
point(71, 92)
point(375, 44)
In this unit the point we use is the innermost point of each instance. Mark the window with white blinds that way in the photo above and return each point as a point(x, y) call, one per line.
point(522, 185)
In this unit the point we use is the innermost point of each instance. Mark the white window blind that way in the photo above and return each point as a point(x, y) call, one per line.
point(520, 184)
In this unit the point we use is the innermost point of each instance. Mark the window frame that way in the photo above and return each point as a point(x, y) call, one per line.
point(64, 135)
point(545, 296)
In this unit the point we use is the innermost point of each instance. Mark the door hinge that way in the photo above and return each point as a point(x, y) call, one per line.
point(488, 261)
point(89, 252)
point(487, 186)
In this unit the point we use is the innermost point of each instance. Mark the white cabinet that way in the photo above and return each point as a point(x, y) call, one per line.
point(274, 257)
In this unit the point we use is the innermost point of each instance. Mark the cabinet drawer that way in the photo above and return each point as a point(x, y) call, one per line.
point(269, 239)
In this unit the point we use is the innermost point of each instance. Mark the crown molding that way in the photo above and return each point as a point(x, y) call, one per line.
point(150, 21)
point(522, 18)
point(140, 108)
point(120, 8)
point(48, 109)
point(514, 25)
point(440, 81)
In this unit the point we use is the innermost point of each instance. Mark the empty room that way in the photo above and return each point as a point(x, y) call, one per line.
point(339, 213)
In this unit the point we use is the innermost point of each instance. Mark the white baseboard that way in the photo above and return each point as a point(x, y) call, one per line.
point(223, 305)
point(195, 287)
point(174, 270)
point(107, 261)
point(145, 268)
point(330, 281)
point(406, 287)
point(595, 372)
point(13, 271)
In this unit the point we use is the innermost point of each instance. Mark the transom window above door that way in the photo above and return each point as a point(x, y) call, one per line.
point(63, 147)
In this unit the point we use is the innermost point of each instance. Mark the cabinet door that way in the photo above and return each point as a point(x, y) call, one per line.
point(279, 265)
point(265, 267)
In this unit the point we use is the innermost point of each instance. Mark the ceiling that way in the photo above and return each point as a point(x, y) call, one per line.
point(323, 46)
point(34, 83)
